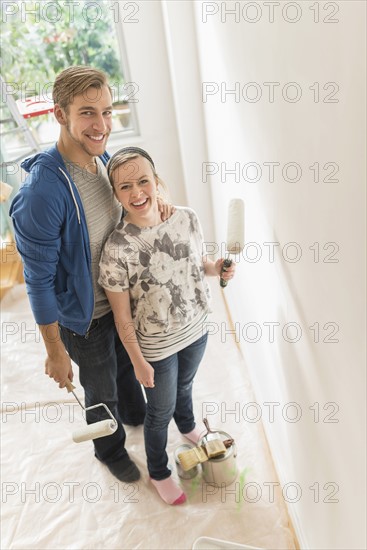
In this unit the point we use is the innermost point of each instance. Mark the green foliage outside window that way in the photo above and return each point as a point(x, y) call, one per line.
point(43, 38)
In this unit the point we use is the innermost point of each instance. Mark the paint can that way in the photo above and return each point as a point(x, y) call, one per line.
point(221, 469)
point(189, 474)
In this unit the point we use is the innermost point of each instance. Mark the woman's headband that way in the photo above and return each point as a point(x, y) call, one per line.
point(136, 150)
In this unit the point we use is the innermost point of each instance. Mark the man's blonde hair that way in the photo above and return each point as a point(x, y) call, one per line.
point(75, 81)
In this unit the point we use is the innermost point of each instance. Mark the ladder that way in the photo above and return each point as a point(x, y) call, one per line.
point(20, 125)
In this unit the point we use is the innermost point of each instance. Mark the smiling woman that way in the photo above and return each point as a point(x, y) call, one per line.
point(135, 186)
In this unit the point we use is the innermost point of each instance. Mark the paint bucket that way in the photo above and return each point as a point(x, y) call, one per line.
point(221, 469)
point(189, 474)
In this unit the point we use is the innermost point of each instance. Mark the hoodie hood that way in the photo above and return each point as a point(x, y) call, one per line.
point(52, 159)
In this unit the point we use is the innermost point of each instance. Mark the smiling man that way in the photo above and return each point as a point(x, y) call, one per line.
point(86, 124)
point(62, 216)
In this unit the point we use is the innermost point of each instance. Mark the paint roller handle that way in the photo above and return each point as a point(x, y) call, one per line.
point(69, 386)
point(226, 264)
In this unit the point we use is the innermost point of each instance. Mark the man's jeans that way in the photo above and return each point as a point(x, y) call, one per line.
point(107, 376)
point(171, 397)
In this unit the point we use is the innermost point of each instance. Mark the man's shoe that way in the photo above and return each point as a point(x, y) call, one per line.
point(124, 469)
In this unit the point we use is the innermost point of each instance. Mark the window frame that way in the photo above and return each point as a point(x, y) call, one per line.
point(117, 135)
point(135, 131)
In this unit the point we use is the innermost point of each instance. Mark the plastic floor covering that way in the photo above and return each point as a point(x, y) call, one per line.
point(56, 495)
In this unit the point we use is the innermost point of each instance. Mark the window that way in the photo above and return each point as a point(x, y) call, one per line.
point(40, 39)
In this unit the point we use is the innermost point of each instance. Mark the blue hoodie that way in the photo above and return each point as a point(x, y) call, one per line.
point(52, 238)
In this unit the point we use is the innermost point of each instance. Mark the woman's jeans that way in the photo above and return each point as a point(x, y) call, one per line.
point(107, 376)
point(171, 397)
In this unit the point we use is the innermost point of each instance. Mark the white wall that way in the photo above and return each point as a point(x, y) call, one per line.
point(169, 108)
point(147, 55)
point(305, 452)
point(171, 52)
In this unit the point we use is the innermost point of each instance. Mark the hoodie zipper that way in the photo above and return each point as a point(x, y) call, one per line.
point(72, 194)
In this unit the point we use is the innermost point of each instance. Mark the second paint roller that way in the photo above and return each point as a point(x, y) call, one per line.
point(235, 233)
point(97, 429)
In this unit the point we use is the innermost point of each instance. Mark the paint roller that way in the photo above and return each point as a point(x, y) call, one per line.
point(97, 429)
point(235, 233)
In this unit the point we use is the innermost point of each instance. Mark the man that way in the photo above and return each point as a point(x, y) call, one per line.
point(62, 216)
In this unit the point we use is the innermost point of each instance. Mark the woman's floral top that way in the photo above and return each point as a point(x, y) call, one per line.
point(163, 270)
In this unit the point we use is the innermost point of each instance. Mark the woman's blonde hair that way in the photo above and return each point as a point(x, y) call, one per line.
point(129, 153)
point(75, 81)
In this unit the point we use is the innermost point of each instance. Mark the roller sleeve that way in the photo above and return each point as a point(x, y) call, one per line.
point(93, 431)
point(236, 226)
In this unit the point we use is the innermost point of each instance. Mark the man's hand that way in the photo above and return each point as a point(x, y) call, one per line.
point(165, 208)
point(58, 363)
point(59, 368)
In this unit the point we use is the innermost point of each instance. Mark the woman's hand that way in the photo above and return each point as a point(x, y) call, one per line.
point(144, 373)
point(165, 208)
point(228, 272)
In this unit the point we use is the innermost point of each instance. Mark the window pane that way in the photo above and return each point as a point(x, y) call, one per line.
point(40, 39)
